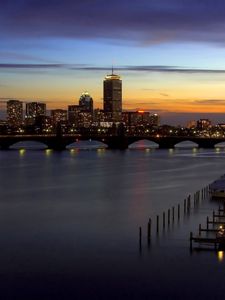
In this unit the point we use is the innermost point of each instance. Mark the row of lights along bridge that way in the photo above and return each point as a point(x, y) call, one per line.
point(84, 118)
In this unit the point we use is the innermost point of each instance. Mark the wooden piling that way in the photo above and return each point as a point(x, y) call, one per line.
point(173, 213)
point(178, 211)
point(164, 220)
point(189, 203)
point(207, 223)
point(200, 229)
point(157, 224)
point(149, 230)
point(150, 227)
point(168, 216)
point(140, 237)
point(191, 238)
point(185, 205)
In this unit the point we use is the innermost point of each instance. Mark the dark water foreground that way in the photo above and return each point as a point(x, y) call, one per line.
point(69, 225)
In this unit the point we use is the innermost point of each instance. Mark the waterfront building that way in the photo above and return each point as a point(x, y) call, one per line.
point(85, 119)
point(191, 124)
point(154, 120)
point(15, 113)
point(86, 103)
point(73, 115)
point(203, 124)
point(136, 118)
point(43, 124)
point(112, 97)
point(34, 110)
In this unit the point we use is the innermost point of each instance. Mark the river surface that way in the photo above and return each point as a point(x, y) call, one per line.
point(69, 224)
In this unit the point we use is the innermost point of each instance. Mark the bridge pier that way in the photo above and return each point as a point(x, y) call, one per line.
point(57, 146)
point(4, 147)
point(166, 145)
point(117, 142)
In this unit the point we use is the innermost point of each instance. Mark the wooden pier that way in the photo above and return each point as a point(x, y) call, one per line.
point(218, 240)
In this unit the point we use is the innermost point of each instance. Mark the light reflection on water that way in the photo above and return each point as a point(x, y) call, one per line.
point(70, 220)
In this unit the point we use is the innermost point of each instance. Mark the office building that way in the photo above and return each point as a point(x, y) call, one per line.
point(34, 110)
point(73, 115)
point(59, 116)
point(86, 103)
point(203, 124)
point(15, 113)
point(154, 120)
point(112, 97)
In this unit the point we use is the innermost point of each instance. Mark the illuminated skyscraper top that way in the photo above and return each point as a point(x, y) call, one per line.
point(86, 102)
point(112, 96)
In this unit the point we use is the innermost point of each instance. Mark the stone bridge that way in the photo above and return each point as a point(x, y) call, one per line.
point(60, 142)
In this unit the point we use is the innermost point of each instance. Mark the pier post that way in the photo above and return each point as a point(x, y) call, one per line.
point(191, 239)
point(157, 224)
point(164, 220)
point(173, 213)
point(207, 223)
point(200, 229)
point(189, 203)
point(185, 203)
point(140, 237)
point(168, 216)
point(149, 230)
point(178, 211)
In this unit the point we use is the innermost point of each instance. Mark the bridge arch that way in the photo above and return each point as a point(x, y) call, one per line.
point(86, 144)
point(220, 145)
point(29, 145)
point(186, 144)
point(142, 144)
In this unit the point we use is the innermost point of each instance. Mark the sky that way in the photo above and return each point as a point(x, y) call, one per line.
point(170, 54)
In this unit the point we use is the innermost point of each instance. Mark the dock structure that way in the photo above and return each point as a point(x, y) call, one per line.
point(217, 241)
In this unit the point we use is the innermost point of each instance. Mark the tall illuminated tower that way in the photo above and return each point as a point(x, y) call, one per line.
point(112, 97)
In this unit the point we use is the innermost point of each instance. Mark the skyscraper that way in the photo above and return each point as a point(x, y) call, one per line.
point(86, 102)
point(15, 113)
point(112, 97)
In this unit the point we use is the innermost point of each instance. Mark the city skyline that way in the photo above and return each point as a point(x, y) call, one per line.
point(170, 56)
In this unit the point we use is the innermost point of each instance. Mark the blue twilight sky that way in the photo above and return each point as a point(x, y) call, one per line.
point(170, 53)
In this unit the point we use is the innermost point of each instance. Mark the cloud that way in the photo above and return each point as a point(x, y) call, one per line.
point(30, 66)
point(20, 57)
point(140, 21)
point(85, 67)
point(210, 102)
point(164, 94)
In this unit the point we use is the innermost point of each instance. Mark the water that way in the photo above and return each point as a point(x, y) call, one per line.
point(69, 224)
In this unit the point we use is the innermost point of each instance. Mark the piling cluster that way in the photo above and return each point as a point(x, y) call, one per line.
point(174, 213)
